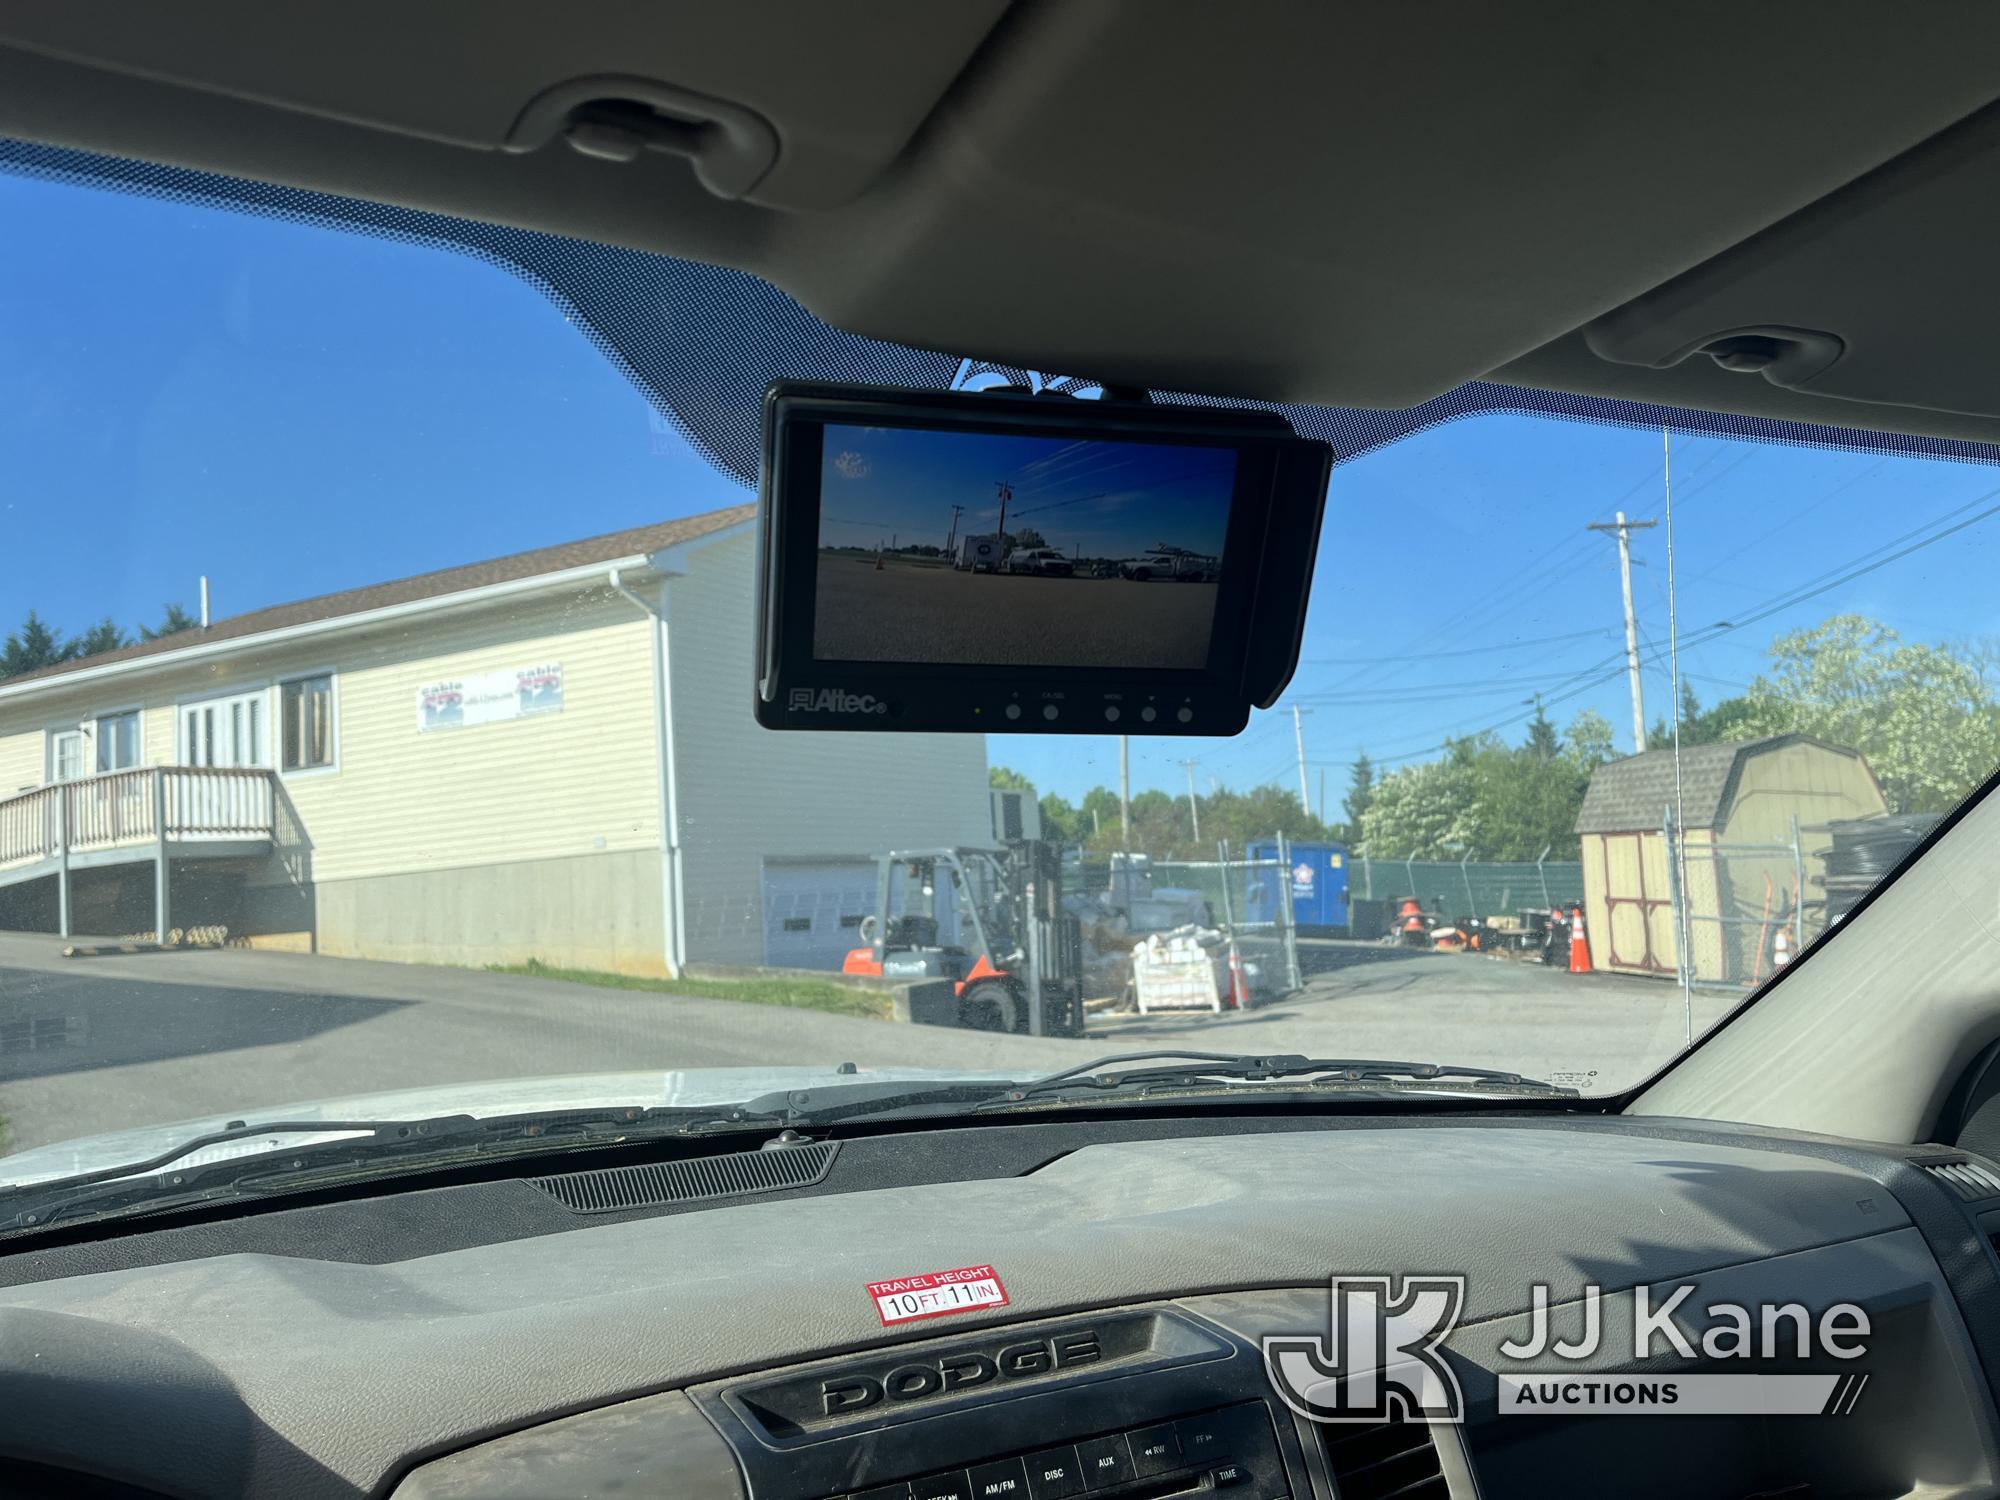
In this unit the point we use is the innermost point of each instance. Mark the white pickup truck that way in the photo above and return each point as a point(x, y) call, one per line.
point(1187, 567)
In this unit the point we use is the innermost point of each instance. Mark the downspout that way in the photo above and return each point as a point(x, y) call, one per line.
point(673, 908)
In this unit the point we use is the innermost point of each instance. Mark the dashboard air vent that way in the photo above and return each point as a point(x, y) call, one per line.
point(732, 1176)
point(1968, 1179)
point(1382, 1459)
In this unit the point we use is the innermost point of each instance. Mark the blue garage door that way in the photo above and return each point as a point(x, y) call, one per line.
point(813, 911)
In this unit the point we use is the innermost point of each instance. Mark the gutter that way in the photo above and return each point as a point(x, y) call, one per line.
point(673, 906)
point(264, 639)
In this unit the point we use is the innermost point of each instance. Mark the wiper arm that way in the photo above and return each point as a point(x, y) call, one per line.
point(878, 1100)
point(361, 1143)
point(1193, 1067)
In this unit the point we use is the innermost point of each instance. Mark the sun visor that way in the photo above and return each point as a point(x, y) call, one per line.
point(1880, 293)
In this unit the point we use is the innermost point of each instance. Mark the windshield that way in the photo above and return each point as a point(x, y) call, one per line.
point(374, 719)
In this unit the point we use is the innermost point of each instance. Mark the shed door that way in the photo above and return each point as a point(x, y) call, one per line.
point(1639, 906)
point(813, 911)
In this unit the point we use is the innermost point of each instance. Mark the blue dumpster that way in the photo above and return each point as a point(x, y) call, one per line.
point(1318, 873)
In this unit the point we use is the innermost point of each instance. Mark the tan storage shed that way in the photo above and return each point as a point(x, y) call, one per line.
point(1740, 805)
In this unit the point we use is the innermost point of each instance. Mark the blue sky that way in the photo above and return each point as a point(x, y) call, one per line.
point(293, 410)
point(880, 484)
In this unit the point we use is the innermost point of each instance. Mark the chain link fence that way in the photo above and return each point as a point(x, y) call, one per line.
point(1248, 899)
point(1471, 888)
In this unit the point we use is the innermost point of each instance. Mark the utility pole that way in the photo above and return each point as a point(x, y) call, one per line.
point(1322, 794)
point(1125, 790)
point(1299, 739)
point(1624, 529)
point(1006, 493)
point(951, 540)
point(1194, 809)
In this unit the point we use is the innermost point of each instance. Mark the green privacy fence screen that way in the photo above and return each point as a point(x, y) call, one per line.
point(1482, 888)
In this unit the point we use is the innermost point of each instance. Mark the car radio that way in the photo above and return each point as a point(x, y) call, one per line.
point(1138, 1404)
point(1225, 1449)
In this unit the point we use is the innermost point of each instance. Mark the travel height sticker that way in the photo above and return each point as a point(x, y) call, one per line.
point(936, 1294)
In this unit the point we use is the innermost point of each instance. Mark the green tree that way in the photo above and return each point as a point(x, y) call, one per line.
point(1006, 779)
point(1360, 791)
point(32, 647)
point(1416, 812)
point(1590, 740)
point(1062, 823)
point(1730, 720)
point(1924, 717)
point(1097, 816)
point(102, 637)
point(172, 622)
point(1543, 741)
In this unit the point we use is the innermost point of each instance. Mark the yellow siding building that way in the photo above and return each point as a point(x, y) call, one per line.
point(549, 756)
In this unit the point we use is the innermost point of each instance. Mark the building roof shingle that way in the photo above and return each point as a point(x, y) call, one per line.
point(607, 548)
point(1633, 794)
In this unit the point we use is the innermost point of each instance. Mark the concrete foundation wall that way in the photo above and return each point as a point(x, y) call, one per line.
point(591, 911)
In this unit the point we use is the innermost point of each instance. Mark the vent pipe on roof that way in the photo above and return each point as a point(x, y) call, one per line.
point(204, 601)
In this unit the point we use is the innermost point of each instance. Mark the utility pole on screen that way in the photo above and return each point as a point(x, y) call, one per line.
point(1624, 529)
point(1194, 808)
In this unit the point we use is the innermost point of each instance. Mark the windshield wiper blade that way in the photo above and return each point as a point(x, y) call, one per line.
point(359, 1144)
point(1178, 1067)
point(841, 1101)
point(1102, 1076)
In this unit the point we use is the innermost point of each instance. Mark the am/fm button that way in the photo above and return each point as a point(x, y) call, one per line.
point(1005, 1480)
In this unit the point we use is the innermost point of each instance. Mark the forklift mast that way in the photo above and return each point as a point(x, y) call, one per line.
point(1008, 906)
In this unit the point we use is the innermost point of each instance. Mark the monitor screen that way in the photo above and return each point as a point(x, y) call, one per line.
point(974, 546)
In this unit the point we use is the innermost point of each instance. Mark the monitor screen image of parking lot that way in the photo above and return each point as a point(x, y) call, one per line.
point(1001, 550)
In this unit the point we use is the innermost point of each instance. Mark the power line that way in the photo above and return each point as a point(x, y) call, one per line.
point(1542, 640)
point(1776, 604)
point(1480, 608)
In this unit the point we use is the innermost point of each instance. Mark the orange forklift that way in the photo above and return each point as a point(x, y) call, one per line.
point(989, 920)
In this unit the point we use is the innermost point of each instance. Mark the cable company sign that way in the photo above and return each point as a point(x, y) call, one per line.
point(1381, 1356)
point(490, 697)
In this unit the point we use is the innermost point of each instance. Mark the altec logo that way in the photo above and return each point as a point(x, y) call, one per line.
point(834, 701)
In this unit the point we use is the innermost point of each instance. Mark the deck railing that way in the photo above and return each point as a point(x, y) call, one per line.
point(130, 807)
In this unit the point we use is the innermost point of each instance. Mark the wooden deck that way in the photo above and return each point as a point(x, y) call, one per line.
point(130, 817)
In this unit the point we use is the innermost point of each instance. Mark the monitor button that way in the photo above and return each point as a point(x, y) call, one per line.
point(1111, 714)
point(1013, 710)
point(1050, 711)
point(1149, 713)
point(1184, 714)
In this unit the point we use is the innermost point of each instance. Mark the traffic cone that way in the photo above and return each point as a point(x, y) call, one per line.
point(1239, 989)
point(1579, 945)
point(878, 559)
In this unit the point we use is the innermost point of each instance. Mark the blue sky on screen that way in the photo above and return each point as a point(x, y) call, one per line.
point(881, 484)
point(294, 410)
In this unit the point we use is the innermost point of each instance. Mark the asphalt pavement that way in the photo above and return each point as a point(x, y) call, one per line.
point(931, 612)
point(101, 1043)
